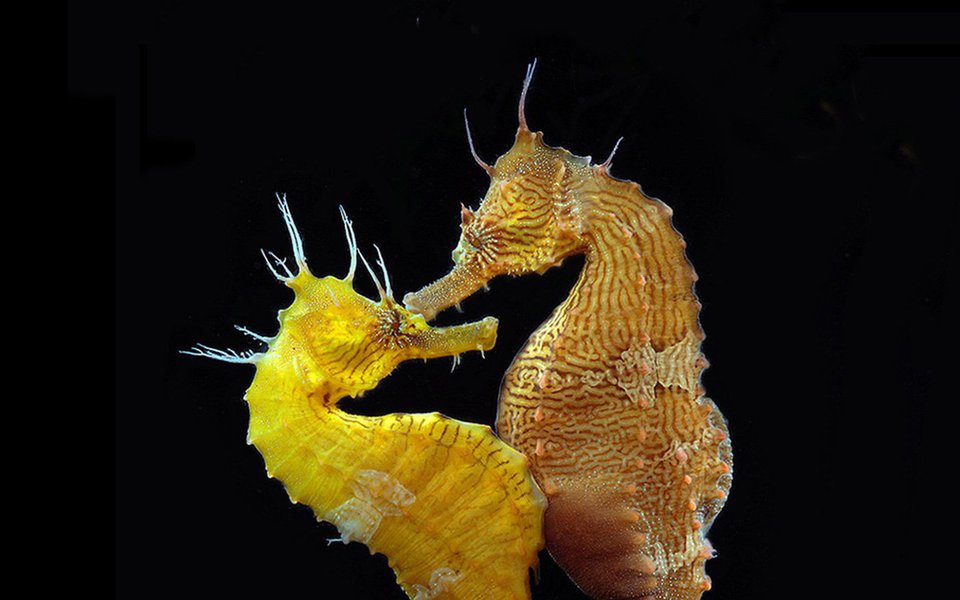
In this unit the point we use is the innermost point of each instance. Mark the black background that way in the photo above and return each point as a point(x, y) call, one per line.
point(807, 155)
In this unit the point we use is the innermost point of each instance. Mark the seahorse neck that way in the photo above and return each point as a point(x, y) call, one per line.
point(604, 302)
point(282, 391)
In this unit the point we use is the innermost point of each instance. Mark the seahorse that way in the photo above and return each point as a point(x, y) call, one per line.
point(453, 508)
point(605, 396)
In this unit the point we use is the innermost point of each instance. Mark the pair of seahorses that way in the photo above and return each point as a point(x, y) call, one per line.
point(602, 409)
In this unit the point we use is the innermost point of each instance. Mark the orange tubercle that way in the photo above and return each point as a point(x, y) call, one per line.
point(542, 382)
point(549, 487)
point(646, 566)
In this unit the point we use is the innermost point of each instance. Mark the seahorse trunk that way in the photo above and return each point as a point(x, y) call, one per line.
point(411, 486)
point(605, 398)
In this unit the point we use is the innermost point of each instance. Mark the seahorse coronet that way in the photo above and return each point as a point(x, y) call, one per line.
point(455, 510)
point(605, 397)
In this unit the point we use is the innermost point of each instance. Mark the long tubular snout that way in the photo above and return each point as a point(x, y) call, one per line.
point(443, 293)
point(457, 339)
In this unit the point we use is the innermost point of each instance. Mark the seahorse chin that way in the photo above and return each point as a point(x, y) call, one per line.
point(605, 397)
point(454, 509)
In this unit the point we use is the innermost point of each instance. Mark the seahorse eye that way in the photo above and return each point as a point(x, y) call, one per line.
point(396, 322)
point(394, 329)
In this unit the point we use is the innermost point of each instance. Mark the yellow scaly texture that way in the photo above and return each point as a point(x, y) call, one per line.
point(453, 508)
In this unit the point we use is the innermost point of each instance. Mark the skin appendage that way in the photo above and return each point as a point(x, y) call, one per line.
point(453, 508)
point(605, 397)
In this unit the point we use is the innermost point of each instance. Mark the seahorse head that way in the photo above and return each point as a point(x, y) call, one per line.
point(529, 220)
point(335, 340)
point(334, 334)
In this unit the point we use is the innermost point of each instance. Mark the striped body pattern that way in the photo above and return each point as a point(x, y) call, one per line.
point(605, 397)
point(454, 509)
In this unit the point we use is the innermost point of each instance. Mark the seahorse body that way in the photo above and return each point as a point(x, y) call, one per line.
point(453, 508)
point(605, 397)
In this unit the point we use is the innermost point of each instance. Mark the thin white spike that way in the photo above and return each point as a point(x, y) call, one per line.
point(523, 94)
point(456, 362)
point(606, 164)
point(351, 244)
point(482, 355)
point(228, 355)
point(256, 336)
point(372, 275)
point(295, 240)
point(386, 276)
point(270, 266)
point(473, 150)
point(282, 262)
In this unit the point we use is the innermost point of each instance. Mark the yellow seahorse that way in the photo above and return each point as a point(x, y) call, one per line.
point(605, 397)
point(453, 508)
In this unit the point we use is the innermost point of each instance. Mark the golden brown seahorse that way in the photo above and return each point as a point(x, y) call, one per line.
point(453, 508)
point(605, 397)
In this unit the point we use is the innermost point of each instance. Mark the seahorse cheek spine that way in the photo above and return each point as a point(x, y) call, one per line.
point(605, 397)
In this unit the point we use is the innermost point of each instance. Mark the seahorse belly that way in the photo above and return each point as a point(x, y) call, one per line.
point(413, 487)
